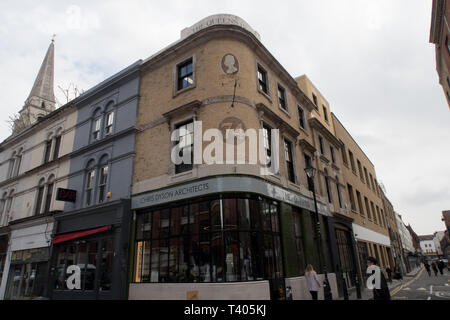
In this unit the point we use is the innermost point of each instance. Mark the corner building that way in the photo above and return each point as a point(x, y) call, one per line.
point(224, 231)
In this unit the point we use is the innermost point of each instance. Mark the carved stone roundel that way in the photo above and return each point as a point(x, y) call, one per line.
point(230, 64)
point(231, 123)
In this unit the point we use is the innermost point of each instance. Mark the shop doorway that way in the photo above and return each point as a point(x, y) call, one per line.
point(26, 281)
point(94, 258)
point(346, 258)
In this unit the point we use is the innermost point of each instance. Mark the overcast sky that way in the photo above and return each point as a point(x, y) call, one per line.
point(370, 59)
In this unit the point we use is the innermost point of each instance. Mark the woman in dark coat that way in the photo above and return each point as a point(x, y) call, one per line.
point(427, 266)
point(434, 267)
point(441, 266)
point(382, 293)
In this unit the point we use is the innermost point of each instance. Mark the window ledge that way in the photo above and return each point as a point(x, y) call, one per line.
point(333, 164)
point(284, 111)
point(304, 130)
point(178, 92)
point(293, 185)
point(266, 95)
point(324, 158)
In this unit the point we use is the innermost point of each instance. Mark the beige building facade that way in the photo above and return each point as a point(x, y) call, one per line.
point(222, 76)
point(370, 225)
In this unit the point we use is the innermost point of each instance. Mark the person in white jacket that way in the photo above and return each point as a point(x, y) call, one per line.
point(313, 282)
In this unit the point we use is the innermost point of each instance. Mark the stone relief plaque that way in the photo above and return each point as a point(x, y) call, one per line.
point(230, 64)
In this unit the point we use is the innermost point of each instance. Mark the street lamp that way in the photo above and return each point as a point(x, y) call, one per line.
point(310, 172)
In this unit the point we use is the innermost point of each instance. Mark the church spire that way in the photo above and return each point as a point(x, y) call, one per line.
point(41, 100)
point(42, 94)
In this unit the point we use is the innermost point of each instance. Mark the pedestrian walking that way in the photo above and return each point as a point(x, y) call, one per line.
point(313, 281)
point(434, 267)
point(383, 292)
point(397, 273)
point(389, 273)
point(441, 266)
point(427, 266)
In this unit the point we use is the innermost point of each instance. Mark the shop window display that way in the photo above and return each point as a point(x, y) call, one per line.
point(226, 239)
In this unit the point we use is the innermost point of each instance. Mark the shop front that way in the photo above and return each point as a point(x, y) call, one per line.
point(220, 238)
point(348, 263)
point(4, 238)
point(90, 253)
point(27, 274)
point(26, 260)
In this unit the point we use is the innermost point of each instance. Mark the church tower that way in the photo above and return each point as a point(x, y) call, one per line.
point(41, 100)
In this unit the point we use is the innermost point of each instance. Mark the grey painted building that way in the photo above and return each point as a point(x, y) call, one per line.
point(92, 233)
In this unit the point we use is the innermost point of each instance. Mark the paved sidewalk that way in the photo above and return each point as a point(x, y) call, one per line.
point(367, 294)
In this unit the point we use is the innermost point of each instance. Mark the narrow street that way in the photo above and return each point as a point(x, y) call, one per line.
point(424, 287)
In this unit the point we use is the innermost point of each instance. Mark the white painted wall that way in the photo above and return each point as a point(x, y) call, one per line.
point(26, 187)
point(427, 247)
point(365, 234)
point(405, 236)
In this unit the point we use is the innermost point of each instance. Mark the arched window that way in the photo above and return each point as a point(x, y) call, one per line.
point(96, 125)
point(90, 182)
point(109, 118)
point(57, 139)
point(8, 206)
point(40, 196)
point(17, 163)
point(12, 162)
point(102, 185)
point(48, 149)
point(2, 207)
point(48, 197)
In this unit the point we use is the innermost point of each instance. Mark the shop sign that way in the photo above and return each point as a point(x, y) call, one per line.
point(31, 255)
point(218, 19)
point(67, 195)
point(222, 185)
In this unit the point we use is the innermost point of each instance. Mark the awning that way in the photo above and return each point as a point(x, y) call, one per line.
point(79, 234)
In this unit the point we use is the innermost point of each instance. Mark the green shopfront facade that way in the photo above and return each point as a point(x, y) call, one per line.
point(229, 237)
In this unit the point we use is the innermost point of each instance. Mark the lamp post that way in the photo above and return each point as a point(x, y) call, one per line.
point(310, 172)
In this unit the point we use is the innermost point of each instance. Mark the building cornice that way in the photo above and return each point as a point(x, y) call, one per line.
point(32, 221)
point(316, 124)
point(281, 124)
point(305, 145)
point(40, 168)
point(188, 107)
